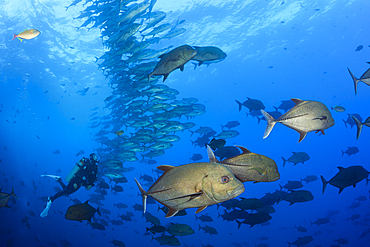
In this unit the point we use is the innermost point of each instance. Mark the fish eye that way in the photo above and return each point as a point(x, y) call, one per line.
point(225, 179)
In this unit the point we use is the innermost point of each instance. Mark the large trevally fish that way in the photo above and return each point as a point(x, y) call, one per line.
point(172, 60)
point(195, 185)
point(304, 117)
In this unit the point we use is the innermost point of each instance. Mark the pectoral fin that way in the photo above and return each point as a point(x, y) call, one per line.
point(259, 170)
point(192, 197)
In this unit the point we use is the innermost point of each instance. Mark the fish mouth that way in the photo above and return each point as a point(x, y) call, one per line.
point(236, 192)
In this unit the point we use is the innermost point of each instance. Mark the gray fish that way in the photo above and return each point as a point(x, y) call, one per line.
point(298, 196)
point(292, 185)
point(302, 241)
point(359, 48)
point(195, 185)
point(251, 104)
point(286, 105)
point(320, 221)
point(296, 158)
point(196, 157)
point(117, 243)
point(204, 218)
point(350, 120)
point(180, 230)
point(346, 177)
point(365, 78)
point(208, 54)
point(172, 60)
point(338, 108)
point(227, 134)
point(350, 151)
point(174, 33)
point(79, 212)
point(301, 228)
point(304, 117)
point(208, 229)
point(167, 240)
point(254, 219)
point(309, 178)
point(230, 124)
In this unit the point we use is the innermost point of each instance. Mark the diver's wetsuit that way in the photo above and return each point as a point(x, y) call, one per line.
point(86, 176)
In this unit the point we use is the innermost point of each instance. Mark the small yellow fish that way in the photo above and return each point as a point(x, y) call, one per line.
point(27, 34)
point(120, 132)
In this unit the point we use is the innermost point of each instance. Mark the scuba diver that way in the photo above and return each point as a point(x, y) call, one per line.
point(84, 173)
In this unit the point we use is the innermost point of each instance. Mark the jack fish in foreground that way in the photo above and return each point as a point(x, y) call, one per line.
point(195, 185)
point(249, 166)
point(172, 60)
point(304, 117)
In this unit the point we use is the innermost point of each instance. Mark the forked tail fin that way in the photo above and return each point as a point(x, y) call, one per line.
point(355, 80)
point(240, 105)
point(359, 126)
point(12, 193)
point(270, 123)
point(143, 194)
point(324, 183)
point(284, 160)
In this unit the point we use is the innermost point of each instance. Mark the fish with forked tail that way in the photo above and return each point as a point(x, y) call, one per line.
point(304, 117)
point(172, 60)
point(346, 177)
point(249, 166)
point(195, 185)
point(365, 78)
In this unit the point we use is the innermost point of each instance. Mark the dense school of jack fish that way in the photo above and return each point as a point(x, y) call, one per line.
point(151, 113)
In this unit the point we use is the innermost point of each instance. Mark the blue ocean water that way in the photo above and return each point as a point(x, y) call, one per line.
point(276, 50)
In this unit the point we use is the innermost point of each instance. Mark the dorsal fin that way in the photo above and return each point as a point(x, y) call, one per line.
point(211, 155)
point(86, 202)
point(296, 101)
point(340, 168)
point(245, 151)
point(165, 168)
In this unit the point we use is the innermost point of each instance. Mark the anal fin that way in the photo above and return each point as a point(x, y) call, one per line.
point(200, 209)
point(302, 135)
point(171, 212)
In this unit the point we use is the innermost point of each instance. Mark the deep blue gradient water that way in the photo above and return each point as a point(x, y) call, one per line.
point(276, 50)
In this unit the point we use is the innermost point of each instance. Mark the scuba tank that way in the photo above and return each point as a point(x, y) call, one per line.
point(74, 170)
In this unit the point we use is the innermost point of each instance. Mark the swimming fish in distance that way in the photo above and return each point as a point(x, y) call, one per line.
point(27, 34)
